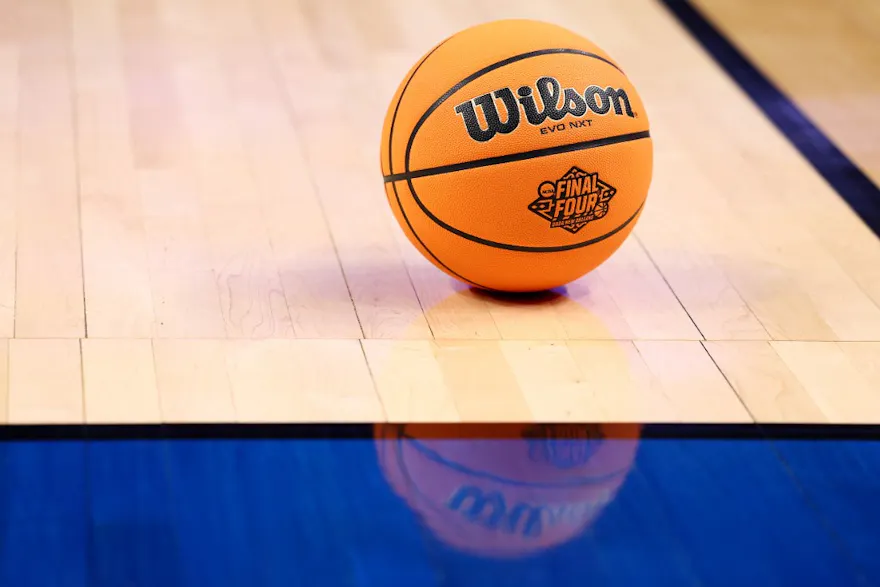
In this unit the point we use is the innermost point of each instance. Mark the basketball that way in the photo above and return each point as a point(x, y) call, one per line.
point(516, 156)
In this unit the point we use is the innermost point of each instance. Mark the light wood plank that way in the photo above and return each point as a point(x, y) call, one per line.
point(551, 383)
point(865, 358)
point(621, 383)
point(45, 382)
point(467, 379)
point(489, 393)
point(353, 201)
point(302, 381)
point(463, 313)
point(836, 297)
point(156, 129)
point(765, 283)
point(184, 285)
point(4, 381)
point(763, 382)
point(119, 382)
point(842, 392)
point(531, 317)
point(186, 300)
point(315, 288)
point(692, 382)
point(409, 381)
point(248, 279)
point(8, 171)
point(117, 280)
point(192, 381)
point(49, 285)
point(589, 312)
point(852, 244)
point(383, 294)
point(683, 236)
point(647, 303)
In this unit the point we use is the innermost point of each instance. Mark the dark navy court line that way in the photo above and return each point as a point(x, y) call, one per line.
point(838, 170)
point(669, 431)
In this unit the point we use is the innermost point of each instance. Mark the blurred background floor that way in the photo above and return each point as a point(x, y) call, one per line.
point(823, 55)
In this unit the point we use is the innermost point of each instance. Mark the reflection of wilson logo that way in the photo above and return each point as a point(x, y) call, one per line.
point(594, 99)
point(489, 509)
point(573, 200)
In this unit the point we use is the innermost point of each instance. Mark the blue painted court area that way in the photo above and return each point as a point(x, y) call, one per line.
point(432, 506)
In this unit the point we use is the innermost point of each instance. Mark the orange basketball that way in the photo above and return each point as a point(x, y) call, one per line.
point(516, 156)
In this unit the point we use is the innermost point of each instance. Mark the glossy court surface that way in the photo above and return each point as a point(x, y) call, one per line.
point(439, 506)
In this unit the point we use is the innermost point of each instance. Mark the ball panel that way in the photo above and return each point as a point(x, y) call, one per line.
point(414, 215)
point(465, 53)
point(393, 111)
point(490, 116)
point(494, 268)
point(586, 194)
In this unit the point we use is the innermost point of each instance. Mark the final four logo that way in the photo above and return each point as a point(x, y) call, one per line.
point(573, 200)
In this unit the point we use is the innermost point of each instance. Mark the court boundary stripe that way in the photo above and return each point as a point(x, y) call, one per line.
point(840, 172)
point(328, 431)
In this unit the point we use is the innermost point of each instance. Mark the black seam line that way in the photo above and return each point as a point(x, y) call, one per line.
point(391, 168)
point(545, 152)
point(527, 249)
point(400, 99)
point(424, 246)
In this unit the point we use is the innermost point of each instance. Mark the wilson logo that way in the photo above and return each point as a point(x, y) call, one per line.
point(574, 200)
point(490, 510)
point(556, 104)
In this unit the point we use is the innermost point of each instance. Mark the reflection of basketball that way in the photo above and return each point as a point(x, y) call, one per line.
point(516, 156)
point(506, 490)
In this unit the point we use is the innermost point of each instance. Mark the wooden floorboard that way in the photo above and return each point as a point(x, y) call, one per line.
point(193, 226)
